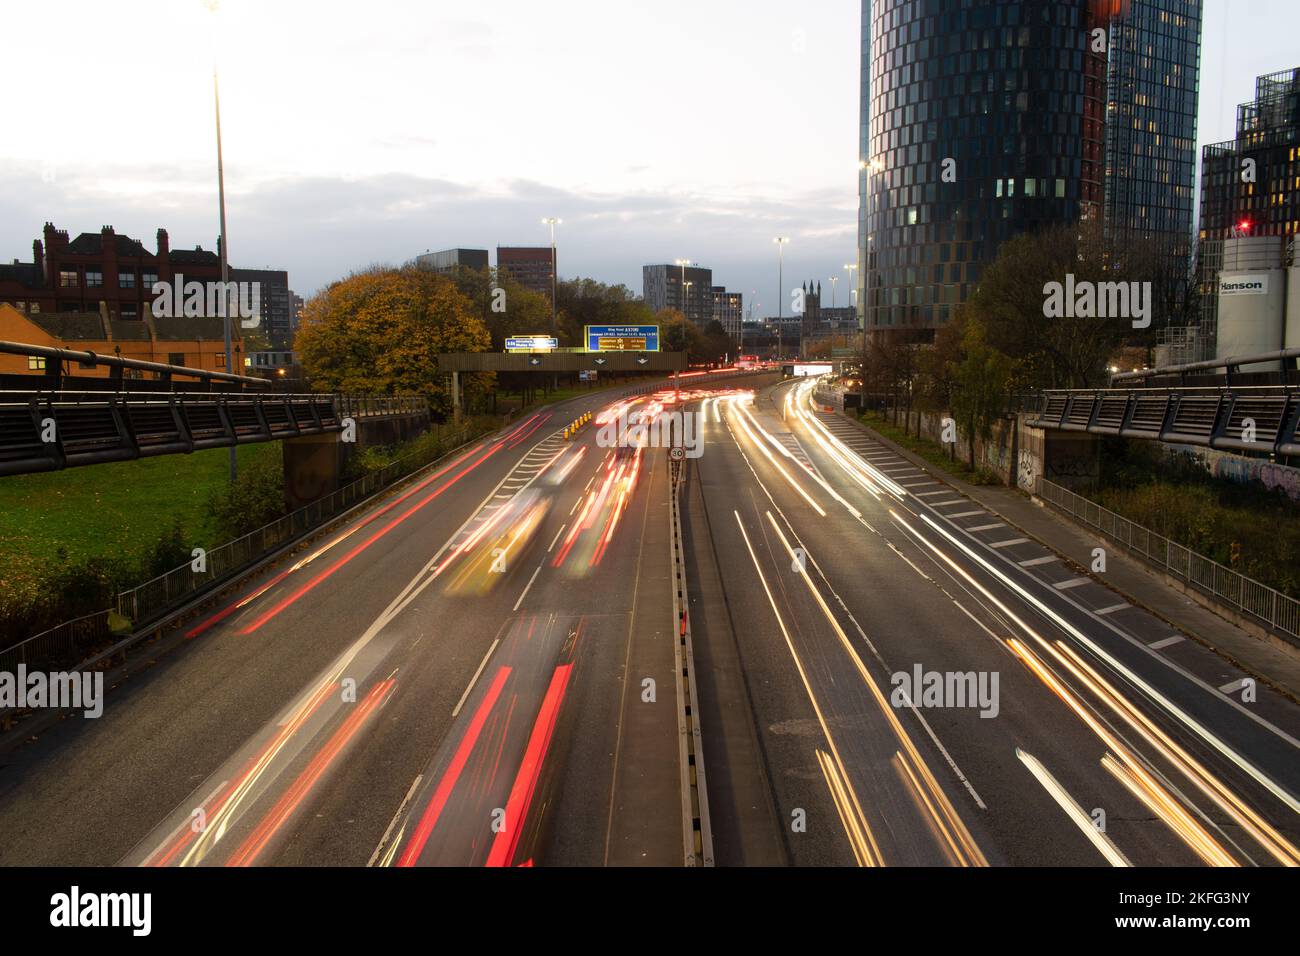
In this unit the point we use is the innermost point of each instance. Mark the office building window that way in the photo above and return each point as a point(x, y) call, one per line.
point(94, 277)
point(35, 363)
point(68, 278)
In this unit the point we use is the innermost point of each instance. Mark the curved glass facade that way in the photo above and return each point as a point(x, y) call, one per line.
point(979, 121)
point(982, 121)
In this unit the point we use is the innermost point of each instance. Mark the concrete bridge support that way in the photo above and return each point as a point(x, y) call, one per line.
point(1072, 459)
point(314, 465)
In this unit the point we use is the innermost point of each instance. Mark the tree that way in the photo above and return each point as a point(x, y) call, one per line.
point(679, 334)
point(717, 344)
point(381, 331)
point(584, 302)
point(506, 307)
point(981, 381)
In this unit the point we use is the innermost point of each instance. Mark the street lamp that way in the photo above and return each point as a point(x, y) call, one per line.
point(211, 6)
point(553, 222)
point(683, 263)
point(833, 280)
point(780, 291)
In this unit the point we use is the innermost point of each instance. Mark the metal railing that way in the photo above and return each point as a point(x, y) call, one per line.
point(366, 406)
point(60, 643)
point(151, 600)
point(1271, 607)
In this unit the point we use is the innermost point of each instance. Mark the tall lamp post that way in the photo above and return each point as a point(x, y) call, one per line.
point(851, 268)
point(780, 292)
point(553, 222)
point(212, 6)
point(683, 263)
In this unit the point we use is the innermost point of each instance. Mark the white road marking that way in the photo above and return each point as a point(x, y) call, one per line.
point(1167, 642)
point(1072, 583)
point(1112, 609)
point(474, 680)
point(526, 587)
point(1009, 542)
point(1036, 562)
point(556, 538)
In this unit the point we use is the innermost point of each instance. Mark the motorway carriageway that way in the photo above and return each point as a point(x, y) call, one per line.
point(478, 670)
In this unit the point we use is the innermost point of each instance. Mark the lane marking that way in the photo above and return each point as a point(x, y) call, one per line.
point(1037, 562)
point(474, 680)
point(1167, 642)
point(968, 514)
point(526, 587)
point(988, 527)
point(401, 809)
point(1111, 610)
point(1072, 583)
point(1009, 542)
point(557, 537)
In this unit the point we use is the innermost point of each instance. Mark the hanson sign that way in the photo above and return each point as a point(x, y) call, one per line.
point(1247, 284)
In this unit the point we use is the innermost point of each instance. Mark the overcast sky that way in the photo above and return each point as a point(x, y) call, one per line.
point(357, 133)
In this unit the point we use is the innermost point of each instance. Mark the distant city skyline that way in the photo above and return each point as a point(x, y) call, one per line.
point(348, 143)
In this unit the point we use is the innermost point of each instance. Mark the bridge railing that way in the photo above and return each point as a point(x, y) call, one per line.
point(1251, 598)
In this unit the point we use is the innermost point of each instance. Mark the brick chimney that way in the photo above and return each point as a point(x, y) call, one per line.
point(55, 239)
point(38, 257)
point(164, 257)
point(108, 252)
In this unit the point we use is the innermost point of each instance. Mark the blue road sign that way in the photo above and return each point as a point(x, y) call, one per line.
point(622, 338)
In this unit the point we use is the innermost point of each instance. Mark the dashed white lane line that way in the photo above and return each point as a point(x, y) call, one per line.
point(1036, 562)
point(1167, 642)
point(968, 514)
point(1009, 542)
point(556, 538)
point(1111, 610)
point(526, 587)
point(1072, 583)
point(989, 527)
point(474, 680)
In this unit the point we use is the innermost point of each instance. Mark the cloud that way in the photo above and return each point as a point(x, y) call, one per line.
point(321, 228)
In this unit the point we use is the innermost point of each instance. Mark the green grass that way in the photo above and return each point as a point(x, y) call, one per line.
point(935, 454)
point(115, 509)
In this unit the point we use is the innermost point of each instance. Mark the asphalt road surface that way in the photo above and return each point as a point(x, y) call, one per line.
point(478, 670)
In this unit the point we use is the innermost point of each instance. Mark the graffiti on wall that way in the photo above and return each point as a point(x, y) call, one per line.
point(1028, 470)
point(1247, 471)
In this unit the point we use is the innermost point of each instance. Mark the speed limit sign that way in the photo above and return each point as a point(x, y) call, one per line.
point(677, 453)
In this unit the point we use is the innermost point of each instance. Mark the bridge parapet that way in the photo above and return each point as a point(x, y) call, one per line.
point(1252, 419)
point(52, 430)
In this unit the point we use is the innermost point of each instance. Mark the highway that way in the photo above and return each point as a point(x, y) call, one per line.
point(478, 670)
point(825, 564)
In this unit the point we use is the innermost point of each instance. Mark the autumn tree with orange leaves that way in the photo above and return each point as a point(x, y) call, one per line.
point(381, 331)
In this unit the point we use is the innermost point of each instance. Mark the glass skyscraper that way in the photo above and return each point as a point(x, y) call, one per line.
point(981, 120)
point(1152, 72)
